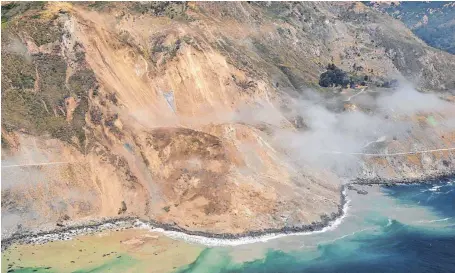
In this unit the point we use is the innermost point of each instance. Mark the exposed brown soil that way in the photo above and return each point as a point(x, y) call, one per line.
point(140, 109)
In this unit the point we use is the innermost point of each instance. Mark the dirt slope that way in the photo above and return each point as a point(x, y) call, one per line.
point(141, 107)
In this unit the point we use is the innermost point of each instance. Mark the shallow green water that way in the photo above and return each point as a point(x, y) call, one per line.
point(399, 229)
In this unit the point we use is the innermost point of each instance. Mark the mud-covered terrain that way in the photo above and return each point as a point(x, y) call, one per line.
point(201, 115)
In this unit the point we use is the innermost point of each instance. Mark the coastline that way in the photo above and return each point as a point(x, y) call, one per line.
point(389, 182)
point(68, 232)
point(211, 239)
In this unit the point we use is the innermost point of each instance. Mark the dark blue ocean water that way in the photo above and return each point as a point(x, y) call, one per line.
point(391, 246)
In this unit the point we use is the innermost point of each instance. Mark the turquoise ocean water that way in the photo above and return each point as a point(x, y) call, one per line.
point(408, 228)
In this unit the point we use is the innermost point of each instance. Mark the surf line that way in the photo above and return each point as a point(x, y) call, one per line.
point(201, 238)
point(243, 240)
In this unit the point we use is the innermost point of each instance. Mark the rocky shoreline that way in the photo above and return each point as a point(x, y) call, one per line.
point(438, 178)
point(66, 233)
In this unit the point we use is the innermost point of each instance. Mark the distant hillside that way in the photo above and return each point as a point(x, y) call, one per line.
point(433, 22)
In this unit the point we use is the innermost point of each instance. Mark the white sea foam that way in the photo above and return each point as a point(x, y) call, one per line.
point(348, 235)
point(433, 221)
point(195, 239)
point(435, 188)
point(389, 222)
point(211, 242)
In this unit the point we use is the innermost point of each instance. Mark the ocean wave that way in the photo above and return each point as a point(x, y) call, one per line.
point(435, 188)
point(389, 222)
point(177, 235)
point(433, 221)
point(348, 235)
point(212, 242)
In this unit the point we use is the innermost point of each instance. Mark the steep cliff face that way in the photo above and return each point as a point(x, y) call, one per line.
point(172, 110)
point(432, 146)
point(432, 22)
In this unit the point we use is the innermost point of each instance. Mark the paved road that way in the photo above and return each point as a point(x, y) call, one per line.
point(326, 152)
point(38, 164)
point(394, 154)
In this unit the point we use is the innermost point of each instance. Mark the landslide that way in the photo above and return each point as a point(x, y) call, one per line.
point(138, 103)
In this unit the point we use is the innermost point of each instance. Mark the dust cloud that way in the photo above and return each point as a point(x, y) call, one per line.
point(331, 135)
point(15, 46)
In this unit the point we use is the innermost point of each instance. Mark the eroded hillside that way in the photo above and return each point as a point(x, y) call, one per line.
point(174, 111)
point(433, 22)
